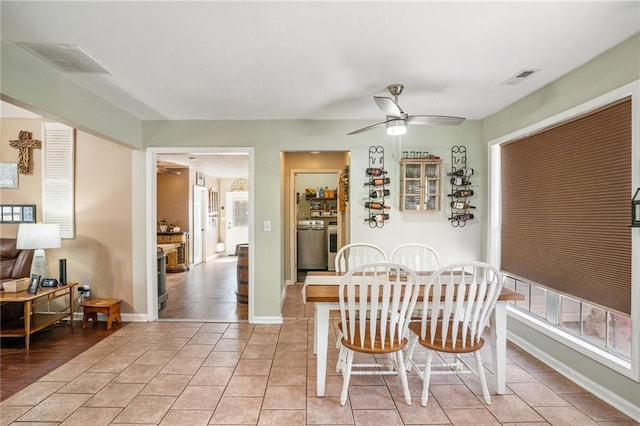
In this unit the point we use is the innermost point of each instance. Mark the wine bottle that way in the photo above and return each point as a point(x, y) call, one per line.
point(379, 193)
point(461, 205)
point(461, 217)
point(461, 193)
point(375, 205)
point(381, 217)
point(378, 181)
point(461, 172)
point(376, 172)
point(459, 181)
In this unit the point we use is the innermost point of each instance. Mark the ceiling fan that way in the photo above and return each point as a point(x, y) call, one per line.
point(397, 120)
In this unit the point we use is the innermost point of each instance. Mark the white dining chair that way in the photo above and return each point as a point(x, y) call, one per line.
point(351, 256)
point(463, 297)
point(417, 256)
point(356, 254)
point(376, 301)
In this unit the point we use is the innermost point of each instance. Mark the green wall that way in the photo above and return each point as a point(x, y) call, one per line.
point(613, 69)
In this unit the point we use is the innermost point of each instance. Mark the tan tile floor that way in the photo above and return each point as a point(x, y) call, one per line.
point(207, 292)
point(196, 373)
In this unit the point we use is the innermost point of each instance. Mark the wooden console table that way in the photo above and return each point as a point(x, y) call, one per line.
point(177, 261)
point(34, 321)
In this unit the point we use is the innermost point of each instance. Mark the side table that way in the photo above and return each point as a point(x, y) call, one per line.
point(34, 321)
point(108, 307)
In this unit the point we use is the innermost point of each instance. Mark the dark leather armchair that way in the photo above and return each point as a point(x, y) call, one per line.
point(14, 263)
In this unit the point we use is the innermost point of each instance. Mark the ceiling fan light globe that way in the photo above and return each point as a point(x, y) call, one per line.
point(396, 127)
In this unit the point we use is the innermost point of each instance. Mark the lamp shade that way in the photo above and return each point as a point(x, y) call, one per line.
point(38, 236)
point(396, 127)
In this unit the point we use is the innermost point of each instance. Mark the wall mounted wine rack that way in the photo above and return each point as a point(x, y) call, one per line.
point(460, 187)
point(377, 186)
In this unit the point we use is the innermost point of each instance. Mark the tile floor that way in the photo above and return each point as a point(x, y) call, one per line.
point(196, 373)
point(206, 292)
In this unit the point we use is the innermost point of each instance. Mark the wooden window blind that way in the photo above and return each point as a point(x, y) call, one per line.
point(58, 177)
point(566, 196)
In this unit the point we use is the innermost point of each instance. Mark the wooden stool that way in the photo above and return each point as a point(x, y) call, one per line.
point(109, 307)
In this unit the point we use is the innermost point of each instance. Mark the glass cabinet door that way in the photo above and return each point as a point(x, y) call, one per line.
point(420, 186)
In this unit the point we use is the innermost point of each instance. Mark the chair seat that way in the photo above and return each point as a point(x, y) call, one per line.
point(448, 346)
point(376, 347)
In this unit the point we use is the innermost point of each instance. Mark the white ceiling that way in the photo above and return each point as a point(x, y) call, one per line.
point(242, 60)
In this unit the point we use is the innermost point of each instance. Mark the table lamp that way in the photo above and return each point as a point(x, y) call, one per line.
point(38, 236)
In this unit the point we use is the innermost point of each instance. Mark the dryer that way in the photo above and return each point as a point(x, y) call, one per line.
point(332, 245)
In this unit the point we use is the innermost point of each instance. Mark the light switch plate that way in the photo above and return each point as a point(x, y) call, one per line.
point(267, 226)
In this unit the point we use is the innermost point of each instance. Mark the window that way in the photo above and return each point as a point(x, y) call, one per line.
point(594, 324)
point(565, 207)
point(591, 313)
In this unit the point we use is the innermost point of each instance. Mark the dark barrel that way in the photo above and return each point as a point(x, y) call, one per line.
point(242, 250)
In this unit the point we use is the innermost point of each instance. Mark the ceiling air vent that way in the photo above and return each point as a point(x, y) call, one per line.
point(520, 77)
point(65, 57)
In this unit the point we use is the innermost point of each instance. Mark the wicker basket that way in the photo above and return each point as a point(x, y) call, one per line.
point(15, 286)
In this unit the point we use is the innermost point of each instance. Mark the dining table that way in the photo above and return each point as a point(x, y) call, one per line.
point(321, 288)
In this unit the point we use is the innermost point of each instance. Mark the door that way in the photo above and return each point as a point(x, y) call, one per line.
point(199, 220)
point(237, 218)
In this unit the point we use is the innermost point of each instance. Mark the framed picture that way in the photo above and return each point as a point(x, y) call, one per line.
point(33, 284)
point(8, 175)
point(200, 178)
point(17, 213)
point(29, 213)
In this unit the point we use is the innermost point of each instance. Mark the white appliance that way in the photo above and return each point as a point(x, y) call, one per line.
point(332, 245)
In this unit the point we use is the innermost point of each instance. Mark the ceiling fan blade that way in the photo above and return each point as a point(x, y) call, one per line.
point(388, 106)
point(435, 120)
point(364, 129)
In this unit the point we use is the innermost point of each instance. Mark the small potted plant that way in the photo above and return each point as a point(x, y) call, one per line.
point(163, 225)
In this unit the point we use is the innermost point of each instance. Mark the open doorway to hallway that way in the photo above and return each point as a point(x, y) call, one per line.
point(201, 269)
point(316, 210)
point(207, 292)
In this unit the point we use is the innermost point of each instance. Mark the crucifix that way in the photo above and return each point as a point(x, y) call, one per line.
point(24, 144)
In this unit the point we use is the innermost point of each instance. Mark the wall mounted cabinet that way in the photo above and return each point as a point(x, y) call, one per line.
point(421, 185)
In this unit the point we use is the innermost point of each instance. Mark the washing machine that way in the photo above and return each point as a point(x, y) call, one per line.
point(311, 244)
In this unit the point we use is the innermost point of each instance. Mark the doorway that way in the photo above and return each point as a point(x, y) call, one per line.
point(237, 227)
point(200, 209)
point(297, 207)
point(207, 291)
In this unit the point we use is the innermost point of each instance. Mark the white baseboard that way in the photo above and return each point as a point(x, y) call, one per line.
point(604, 394)
point(78, 316)
point(134, 317)
point(267, 320)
